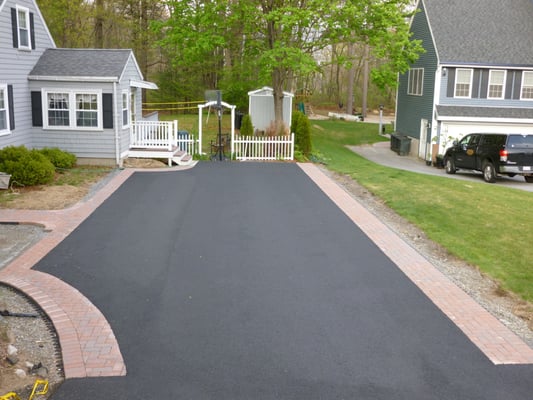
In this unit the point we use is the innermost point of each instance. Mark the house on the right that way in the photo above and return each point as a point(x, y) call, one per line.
point(475, 76)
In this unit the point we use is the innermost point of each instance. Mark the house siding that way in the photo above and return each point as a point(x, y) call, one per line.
point(15, 66)
point(82, 143)
point(411, 109)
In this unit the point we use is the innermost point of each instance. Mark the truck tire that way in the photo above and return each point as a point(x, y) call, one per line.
point(449, 166)
point(489, 172)
point(529, 179)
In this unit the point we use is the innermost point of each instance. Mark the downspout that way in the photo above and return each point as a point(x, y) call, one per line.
point(117, 133)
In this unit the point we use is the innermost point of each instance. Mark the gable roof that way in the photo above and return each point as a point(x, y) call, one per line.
point(486, 32)
point(82, 64)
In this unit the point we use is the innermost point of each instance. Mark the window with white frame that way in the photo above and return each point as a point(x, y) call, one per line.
point(23, 28)
point(415, 82)
point(4, 109)
point(125, 109)
point(463, 83)
point(496, 84)
point(527, 85)
point(67, 109)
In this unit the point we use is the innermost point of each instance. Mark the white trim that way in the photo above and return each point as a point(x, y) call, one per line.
point(7, 131)
point(268, 91)
point(419, 74)
point(38, 11)
point(522, 87)
point(72, 109)
point(469, 84)
point(523, 121)
point(106, 79)
point(486, 66)
point(135, 64)
point(127, 109)
point(143, 84)
point(26, 11)
point(503, 84)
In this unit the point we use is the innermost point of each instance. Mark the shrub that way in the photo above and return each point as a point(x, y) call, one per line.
point(59, 158)
point(247, 129)
point(301, 127)
point(27, 167)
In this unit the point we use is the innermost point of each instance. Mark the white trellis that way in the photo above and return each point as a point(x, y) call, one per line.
point(214, 103)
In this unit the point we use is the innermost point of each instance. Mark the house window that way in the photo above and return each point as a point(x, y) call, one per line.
point(415, 81)
point(527, 85)
point(86, 110)
point(23, 28)
point(4, 111)
point(125, 109)
point(463, 83)
point(67, 109)
point(496, 84)
point(58, 109)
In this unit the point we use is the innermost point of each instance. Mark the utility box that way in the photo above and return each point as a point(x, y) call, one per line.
point(400, 144)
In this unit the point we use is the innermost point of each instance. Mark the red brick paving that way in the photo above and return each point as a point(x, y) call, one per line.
point(493, 338)
point(89, 347)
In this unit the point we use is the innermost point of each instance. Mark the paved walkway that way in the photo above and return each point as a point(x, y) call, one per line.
point(87, 341)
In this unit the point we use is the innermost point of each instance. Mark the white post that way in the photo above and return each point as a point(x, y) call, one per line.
point(200, 109)
point(232, 131)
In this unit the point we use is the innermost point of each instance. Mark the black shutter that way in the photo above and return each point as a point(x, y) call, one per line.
point(475, 84)
point(32, 31)
point(451, 83)
point(107, 103)
point(509, 84)
point(14, 28)
point(517, 85)
point(36, 109)
point(484, 84)
point(10, 102)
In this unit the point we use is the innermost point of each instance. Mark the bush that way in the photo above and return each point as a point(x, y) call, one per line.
point(59, 158)
point(27, 167)
point(247, 129)
point(301, 127)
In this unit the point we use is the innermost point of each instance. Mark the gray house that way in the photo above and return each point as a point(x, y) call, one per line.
point(476, 74)
point(85, 101)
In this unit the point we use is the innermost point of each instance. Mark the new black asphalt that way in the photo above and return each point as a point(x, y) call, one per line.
point(244, 281)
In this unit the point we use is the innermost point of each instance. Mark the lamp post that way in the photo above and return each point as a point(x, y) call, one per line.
point(380, 118)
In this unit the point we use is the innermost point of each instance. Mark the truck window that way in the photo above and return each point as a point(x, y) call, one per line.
point(494, 140)
point(520, 141)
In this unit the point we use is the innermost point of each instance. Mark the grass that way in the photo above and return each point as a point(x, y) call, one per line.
point(486, 225)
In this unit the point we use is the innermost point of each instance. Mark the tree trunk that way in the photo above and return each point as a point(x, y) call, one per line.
point(99, 24)
point(351, 79)
point(277, 86)
point(365, 80)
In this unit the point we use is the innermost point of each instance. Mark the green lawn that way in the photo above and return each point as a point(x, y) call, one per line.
point(487, 225)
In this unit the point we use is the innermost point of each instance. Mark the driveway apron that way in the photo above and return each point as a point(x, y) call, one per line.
point(244, 281)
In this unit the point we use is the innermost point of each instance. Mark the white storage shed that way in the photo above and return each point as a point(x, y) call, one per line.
point(261, 108)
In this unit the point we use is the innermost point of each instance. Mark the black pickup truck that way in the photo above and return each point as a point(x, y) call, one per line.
point(492, 154)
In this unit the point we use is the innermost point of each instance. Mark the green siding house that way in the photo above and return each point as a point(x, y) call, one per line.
point(475, 76)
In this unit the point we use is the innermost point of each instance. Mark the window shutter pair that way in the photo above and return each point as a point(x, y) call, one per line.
point(37, 109)
point(14, 28)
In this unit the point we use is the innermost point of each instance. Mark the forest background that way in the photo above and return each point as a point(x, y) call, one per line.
point(336, 54)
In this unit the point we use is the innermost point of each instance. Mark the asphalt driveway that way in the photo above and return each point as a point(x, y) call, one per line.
point(244, 281)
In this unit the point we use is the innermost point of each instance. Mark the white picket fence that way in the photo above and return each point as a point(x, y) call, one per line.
point(161, 135)
point(263, 148)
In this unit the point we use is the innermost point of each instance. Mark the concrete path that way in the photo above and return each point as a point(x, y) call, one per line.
point(197, 274)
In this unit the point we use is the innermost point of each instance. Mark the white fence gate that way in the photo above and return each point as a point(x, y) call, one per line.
point(263, 148)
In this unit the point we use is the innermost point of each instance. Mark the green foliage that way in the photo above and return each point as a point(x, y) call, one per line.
point(302, 132)
point(247, 129)
point(59, 158)
point(27, 167)
point(483, 224)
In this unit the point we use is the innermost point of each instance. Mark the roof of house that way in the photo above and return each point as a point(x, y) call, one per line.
point(484, 112)
point(485, 32)
point(82, 63)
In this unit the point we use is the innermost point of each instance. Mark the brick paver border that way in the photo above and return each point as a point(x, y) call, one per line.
point(493, 338)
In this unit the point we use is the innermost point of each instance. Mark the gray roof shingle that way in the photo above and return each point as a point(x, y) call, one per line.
point(94, 63)
point(484, 112)
point(487, 32)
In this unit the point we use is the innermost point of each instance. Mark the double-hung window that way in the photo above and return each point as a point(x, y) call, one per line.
point(463, 83)
point(4, 110)
point(496, 84)
point(527, 86)
point(67, 109)
point(415, 83)
point(23, 28)
point(125, 109)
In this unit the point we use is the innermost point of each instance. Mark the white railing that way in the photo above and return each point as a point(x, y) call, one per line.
point(161, 135)
point(153, 134)
point(263, 147)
